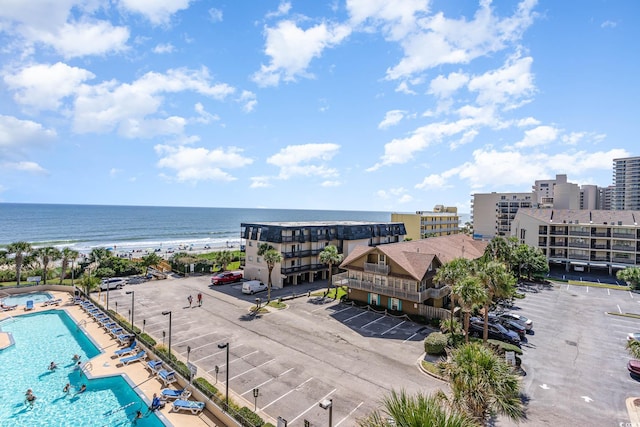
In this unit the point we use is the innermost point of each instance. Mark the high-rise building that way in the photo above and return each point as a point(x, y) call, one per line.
point(443, 221)
point(492, 213)
point(626, 179)
point(556, 193)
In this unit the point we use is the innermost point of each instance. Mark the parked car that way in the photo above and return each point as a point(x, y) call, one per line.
point(528, 323)
point(634, 367)
point(514, 326)
point(253, 286)
point(113, 283)
point(226, 277)
point(496, 331)
point(633, 336)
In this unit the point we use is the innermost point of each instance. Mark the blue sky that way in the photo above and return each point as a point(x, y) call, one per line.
point(351, 105)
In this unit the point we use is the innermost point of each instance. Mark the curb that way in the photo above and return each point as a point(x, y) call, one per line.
point(431, 374)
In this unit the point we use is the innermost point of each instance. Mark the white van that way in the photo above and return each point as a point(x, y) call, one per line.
point(113, 283)
point(253, 286)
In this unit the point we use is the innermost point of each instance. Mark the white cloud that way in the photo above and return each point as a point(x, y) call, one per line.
point(163, 48)
point(330, 183)
point(444, 87)
point(25, 166)
point(528, 121)
point(215, 15)
point(43, 86)
point(403, 87)
point(194, 164)
point(541, 135)
point(156, 11)
point(397, 18)
point(283, 8)
point(392, 118)
point(86, 38)
point(260, 182)
point(292, 49)
point(17, 136)
point(466, 138)
point(204, 116)
point(439, 40)
point(113, 172)
point(128, 107)
point(432, 182)
point(505, 85)
point(609, 24)
point(398, 195)
point(248, 101)
point(305, 160)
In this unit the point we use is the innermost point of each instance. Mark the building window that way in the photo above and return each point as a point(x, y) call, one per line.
point(381, 259)
point(250, 259)
point(394, 304)
point(258, 260)
point(250, 243)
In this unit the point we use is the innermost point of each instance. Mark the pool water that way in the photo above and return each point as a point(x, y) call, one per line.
point(21, 299)
point(41, 338)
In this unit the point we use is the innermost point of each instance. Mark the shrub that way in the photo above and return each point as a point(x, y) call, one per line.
point(248, 418)
point(147, 340)
point(501, 347)
point(206, 387)
point(435, 343)
point(434, 322)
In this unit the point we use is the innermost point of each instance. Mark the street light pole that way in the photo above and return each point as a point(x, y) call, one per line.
point(108, 286)
point(328, 404)
point(227, 383)
point(164, 313)
point(133, 328)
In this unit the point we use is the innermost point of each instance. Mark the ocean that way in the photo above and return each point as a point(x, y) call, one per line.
point(126, 228)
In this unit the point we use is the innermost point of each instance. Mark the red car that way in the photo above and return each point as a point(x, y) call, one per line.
point(634, 367)
point(226, 277)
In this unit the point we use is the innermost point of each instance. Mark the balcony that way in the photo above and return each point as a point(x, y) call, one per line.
point(623, 235)
point(599, 246)
point(578, 245)
point(600, 234)
point(435, 293)
point(579, 233)
point(578, 256)
point(370, 267)
point(302, 268)
point(301, 254)
point(627, 248)
point(622, 260)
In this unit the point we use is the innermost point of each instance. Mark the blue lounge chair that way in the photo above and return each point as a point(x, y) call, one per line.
point(167, 377)
point(124, 339)
point(109, 325)
point(141, 355)
point(171, 394)
point(126, 350)
point(188, 405)
point(154, 365)
point(29, 305)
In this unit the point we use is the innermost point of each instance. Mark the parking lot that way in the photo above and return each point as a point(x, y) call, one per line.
point(575, 362)
point(314, 350)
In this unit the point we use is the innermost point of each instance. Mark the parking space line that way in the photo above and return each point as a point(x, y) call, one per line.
point(353, 317)
point(213, 354)
point(391, 329)
point(630, 294)
point(349, 414)
point(372, 322)
point(268, 381)
point(608, 291)
point(409, 338)
point(619, 308)
point(209, 343)
point(249, 370)
point(240, 358)
point(587, 289)
point(314, 405)
point(286, 394)
point(192, 338)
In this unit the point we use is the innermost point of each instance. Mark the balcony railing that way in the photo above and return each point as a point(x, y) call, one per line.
point(622, 260)
point(623, 248)
point(303, 268)
point(600, 234)
point(390, 291)
point(623, 235)
point(301, 254)
point(579, 233)
point(578, 245)
point(370, 267)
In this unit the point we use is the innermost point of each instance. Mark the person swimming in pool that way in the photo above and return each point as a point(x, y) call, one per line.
point(53, 366)
point(83, 388)
point(29, 397)
point(67, 388)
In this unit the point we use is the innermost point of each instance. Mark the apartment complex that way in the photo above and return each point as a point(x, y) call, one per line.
point(492, 213)
point(399, 276)
point(556, 193)
point(442, 221)
point(300, 243)
point(582, 239)
point(626, 181)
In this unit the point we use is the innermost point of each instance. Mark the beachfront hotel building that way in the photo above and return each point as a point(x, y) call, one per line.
point(399, 276)
point(582, 240)
point(626, 181)
point(442, 221)
point(492, 213)
point(300, 244)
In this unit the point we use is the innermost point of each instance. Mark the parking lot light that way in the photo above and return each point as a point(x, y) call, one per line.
point(221, 346)
point(328, 404)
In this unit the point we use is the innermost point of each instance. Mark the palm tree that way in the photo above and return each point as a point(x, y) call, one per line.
point(482, 383)
point(470, 292)
point(271, 257)
point(451, 273)
point(498, 282)
point(149, 260)
point(225, 258)
point(46, 256)
point(633, 347)
point(330, 256)
point(401, 409)
point(68, 254)
point(99, 255)
point(19, 251)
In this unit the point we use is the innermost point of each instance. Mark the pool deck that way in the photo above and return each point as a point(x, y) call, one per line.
point(105, 365)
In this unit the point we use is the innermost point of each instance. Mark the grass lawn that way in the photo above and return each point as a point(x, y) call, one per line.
point(341, 292)
point(278, 305)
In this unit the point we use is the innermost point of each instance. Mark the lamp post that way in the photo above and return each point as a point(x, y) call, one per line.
point(108, 286)
point(188, 366)
point(72, 272)
point(256, 393)
point(227, 384)
point(116, 306)
point(164, 313)
point(144, 323)
point(328, 404)
point(132, 303)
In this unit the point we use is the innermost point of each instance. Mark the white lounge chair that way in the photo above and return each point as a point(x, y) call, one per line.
point(167, 377)
point(141, 355)
point(188, 405)
point(154, 366)
point(171, 394)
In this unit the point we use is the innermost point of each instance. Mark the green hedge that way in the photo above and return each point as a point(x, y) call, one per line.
point(206, 387)
point(248, 418)
point(435, 343)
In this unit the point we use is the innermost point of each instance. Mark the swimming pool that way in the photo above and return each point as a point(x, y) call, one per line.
point(21, 299)
point(41, 338)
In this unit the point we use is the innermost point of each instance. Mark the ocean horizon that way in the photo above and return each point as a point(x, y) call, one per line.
point(125, 228)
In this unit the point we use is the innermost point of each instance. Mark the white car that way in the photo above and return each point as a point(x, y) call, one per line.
point(253, 286)
point(113, 283)
point(527, 323)
point(633, 336)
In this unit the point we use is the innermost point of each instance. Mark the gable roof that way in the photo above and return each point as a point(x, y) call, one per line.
point(416, 256)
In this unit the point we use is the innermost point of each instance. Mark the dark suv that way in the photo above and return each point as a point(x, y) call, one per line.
point(496, 331)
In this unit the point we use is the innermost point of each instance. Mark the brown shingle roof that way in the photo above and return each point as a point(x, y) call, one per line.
point(415, 256)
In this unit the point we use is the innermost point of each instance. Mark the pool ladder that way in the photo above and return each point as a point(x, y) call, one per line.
point(83, 322)
point(87, 367)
